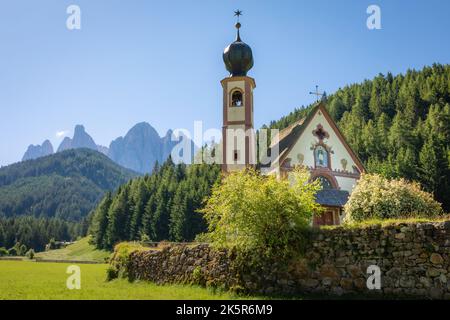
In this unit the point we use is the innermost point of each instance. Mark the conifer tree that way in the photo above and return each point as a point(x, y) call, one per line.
point(118, 218)
point(100, 221)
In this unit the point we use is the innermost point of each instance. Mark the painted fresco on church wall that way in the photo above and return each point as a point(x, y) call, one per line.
point(308, 140)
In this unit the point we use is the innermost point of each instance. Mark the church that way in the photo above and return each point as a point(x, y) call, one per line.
point(314, 142)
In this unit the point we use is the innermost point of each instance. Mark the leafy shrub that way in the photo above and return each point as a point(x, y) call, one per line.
point(52, 244)
point(30, 254)
point(13, 252)
point(121, 257)
point(376, 197)
point(18, 250)
point(197, 276)
point(23, 250)
point(3, 252)
point(252, 212)
point(111, 273)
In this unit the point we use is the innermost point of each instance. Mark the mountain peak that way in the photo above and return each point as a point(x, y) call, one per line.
point(80, 139)
point(169, 133)
point(79, 128)
point(37, 151)
point(143, 128)
point(138, 150)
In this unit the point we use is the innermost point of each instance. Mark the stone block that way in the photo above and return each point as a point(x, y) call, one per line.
point(436, 258)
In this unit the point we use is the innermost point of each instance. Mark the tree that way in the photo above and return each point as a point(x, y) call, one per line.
point(149, 210)
point(160, 206)
point(400, 134)
point(140, 196)
point(118, 214)
point(99, 223)
point(2, 235)
point(260, 213)
point(30, 254)
point(336, 108)
point(22, 250)
point(3, 252)
point(429, 170)
point(52, 244)
point(178, 216)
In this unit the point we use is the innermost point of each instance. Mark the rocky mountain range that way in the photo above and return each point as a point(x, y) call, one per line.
point(81, 140)
point(37, 151)
point(138, 150)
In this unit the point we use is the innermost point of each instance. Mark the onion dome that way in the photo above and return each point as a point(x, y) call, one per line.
point(238, 57)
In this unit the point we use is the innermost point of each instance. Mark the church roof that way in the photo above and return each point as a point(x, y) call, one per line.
point(289, 136)
point(332, 197)
point(287, 131)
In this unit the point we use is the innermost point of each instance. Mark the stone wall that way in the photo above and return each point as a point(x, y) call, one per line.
point(413, 258)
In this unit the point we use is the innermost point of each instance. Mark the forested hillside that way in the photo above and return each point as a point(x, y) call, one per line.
point(35, 233)
point(398, 125)
point(65, 185)
point(161, 206)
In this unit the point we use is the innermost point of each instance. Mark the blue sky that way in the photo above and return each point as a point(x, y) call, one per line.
point(161, 61)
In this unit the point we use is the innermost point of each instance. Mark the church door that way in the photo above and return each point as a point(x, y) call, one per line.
point(325, 219)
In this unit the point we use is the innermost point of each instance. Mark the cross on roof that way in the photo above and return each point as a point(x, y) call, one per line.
point(319, 95)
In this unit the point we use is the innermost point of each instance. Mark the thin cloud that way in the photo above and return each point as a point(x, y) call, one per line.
point(61, 134)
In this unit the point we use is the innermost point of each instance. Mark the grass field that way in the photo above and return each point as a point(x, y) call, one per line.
point(34, 280)
point(80, 251)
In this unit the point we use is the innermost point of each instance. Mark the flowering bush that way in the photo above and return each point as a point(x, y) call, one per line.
point(376, 197)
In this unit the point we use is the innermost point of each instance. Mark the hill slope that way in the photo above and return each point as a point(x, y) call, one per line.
point(79, 251)
point(65, 185)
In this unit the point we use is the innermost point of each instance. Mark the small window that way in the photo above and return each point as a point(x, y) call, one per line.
point(236, 99)
point(321, 157)
point(235, 155)
point(325, 183)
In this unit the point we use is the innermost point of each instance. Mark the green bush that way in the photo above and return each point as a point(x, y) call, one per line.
point(23, 250)
point(197, 276)
point(52, 244)
point(111, 273)
point(120, 259)
point(252, 212)
point(3, 252)
point(376, 197)
point(18, 250)
point(13, 252)
point(30, 254)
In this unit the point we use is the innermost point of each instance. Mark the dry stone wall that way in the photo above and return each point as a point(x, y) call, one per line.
point(413, 259)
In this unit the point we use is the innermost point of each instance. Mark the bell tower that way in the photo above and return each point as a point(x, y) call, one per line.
point(238, 136)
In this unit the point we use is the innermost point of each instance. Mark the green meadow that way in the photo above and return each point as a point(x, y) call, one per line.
point(23, 280)
point(81, 250)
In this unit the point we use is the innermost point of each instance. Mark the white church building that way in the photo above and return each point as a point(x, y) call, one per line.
point(314, 142)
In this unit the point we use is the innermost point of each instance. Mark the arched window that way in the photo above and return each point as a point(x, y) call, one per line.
point(321, 156)
point(324, 182)
point(236, 99)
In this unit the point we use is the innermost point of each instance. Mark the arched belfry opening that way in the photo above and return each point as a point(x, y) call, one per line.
point(237, 99)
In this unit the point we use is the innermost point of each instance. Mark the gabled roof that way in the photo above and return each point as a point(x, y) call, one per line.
point(289, 136)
